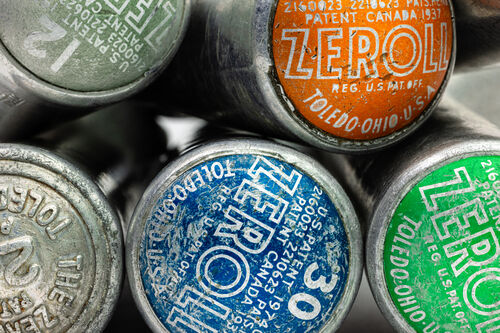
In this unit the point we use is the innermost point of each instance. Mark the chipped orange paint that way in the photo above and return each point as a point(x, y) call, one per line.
point(362, 69)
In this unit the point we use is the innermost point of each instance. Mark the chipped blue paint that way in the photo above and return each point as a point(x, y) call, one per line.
point(244, 243)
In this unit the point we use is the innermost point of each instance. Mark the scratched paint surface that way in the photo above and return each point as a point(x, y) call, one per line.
point(90, 45)
point(442, 253)
point(244, 243)
point(361, 69)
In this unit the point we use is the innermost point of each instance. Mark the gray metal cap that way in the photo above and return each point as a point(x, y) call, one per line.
point(60, 245)
point(294, 217)
point(92, 45)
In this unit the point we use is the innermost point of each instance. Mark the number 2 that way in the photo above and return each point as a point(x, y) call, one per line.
point(25, 244)
point(33, 42)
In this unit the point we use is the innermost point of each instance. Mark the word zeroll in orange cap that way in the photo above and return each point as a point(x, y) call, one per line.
point(362, 69)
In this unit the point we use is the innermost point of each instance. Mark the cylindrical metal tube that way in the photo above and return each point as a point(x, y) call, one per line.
point(61, 242)
point(478, 91)
point(433, 211)
point(60, 245)
point(79, 55)
point(478, 33)
point(121, 148)
point(339, 75)
point(244, 234)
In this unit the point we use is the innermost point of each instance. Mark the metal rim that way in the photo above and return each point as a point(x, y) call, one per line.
point(285, 113)
point(22, 77)
point(246, 146)
point(382, 215)
point(109, 259)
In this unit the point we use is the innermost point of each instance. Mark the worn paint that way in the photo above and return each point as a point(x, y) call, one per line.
point(91, 45)
point(361, 69)
point(442, 252)
point(244, 242)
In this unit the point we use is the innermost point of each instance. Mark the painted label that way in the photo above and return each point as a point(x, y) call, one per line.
point(90, 45)
point(442, 251)
point(244, 243)
point(361, 69)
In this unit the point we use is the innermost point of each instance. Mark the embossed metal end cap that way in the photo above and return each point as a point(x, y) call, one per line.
point(358, 75)
point(248, 235)
point(60, 246)
point(433, 251)
point(92, 45)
